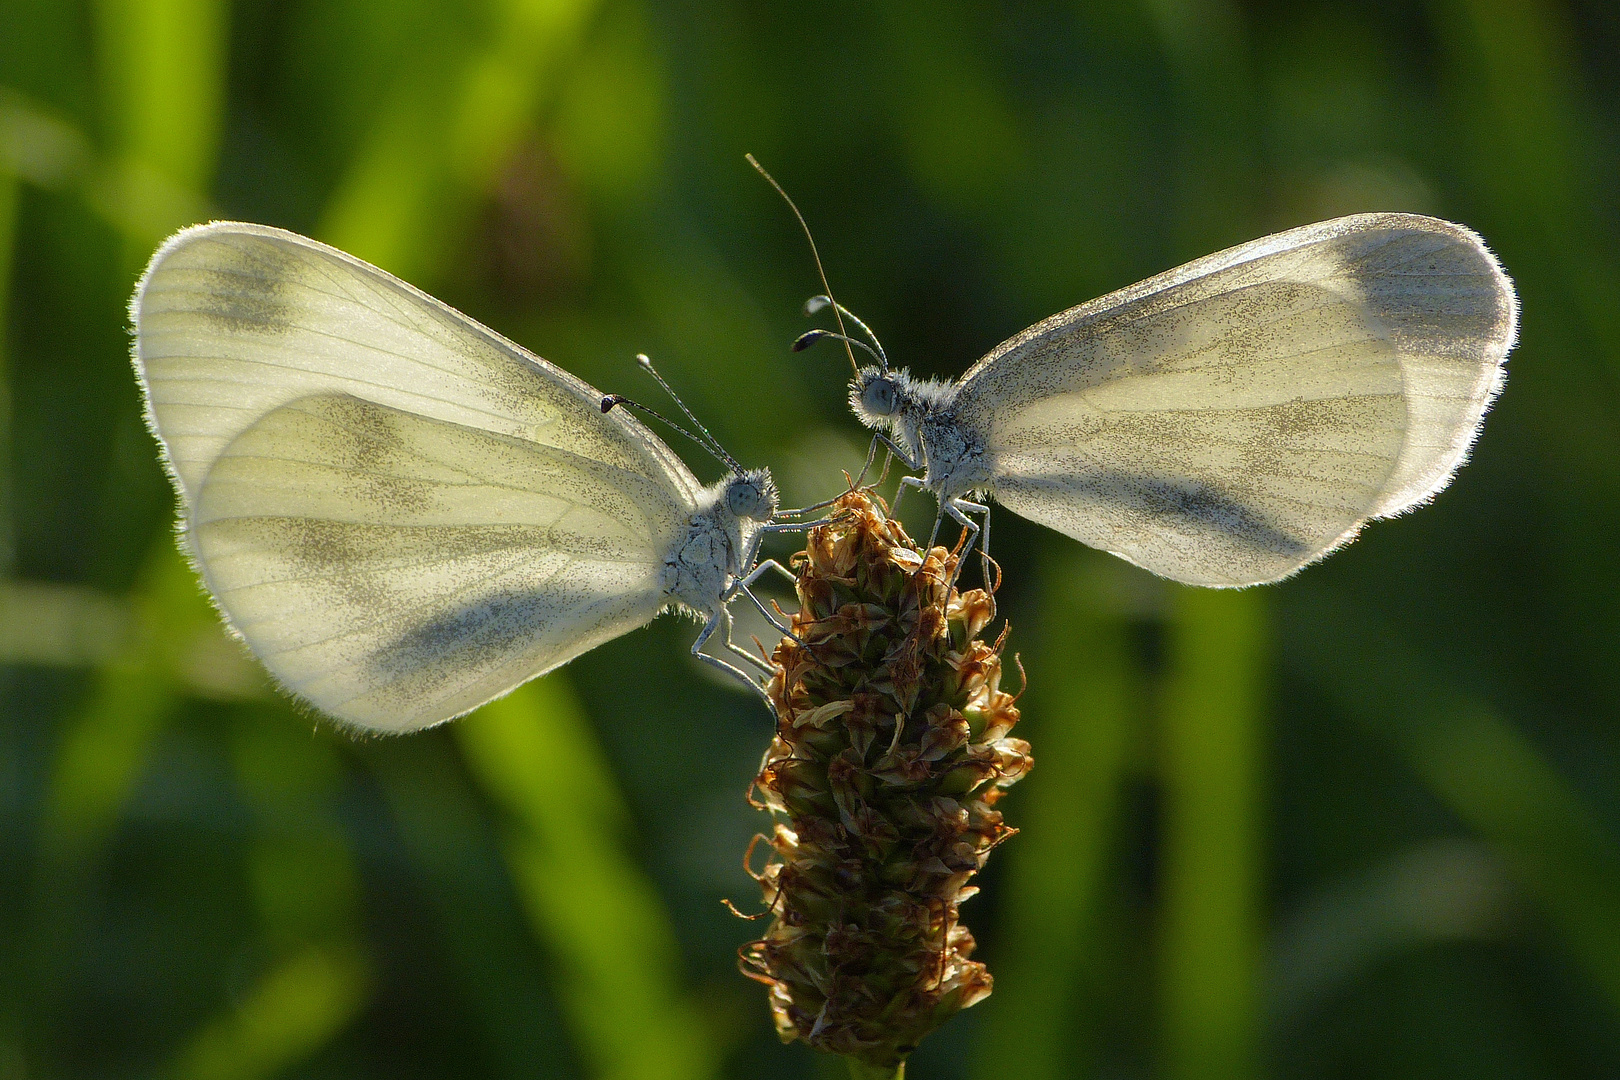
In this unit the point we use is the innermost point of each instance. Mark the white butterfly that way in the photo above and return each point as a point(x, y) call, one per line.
point(1228, 422)
point(401, 512)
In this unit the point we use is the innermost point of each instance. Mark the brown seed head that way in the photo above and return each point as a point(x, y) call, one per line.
point(890, 752)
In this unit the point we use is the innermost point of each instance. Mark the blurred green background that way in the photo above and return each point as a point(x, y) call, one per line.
point(1363, 824)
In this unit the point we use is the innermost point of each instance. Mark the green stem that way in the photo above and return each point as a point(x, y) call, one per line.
point(1211, 746)
point(862, 1070)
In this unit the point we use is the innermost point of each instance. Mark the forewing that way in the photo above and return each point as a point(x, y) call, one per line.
point(397, 570)
point(234, 320)
point(1232, 420)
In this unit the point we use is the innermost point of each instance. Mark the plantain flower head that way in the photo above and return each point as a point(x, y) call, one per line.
point(891, 750)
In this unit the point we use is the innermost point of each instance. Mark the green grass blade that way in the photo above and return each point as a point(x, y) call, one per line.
point(8, 238)
point(481, 928)
point(1080, 717)
point(163, 73)
point(1503, 787)
point(103, 748)
point(1211, 767)
point(600, 917)
point(1480, 766)
point(162, 70)
point(1526, 121)
point(297, 1008)
point(437, 141)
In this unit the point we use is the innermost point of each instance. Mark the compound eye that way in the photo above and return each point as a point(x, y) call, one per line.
point(879, 397)
point(744, 500)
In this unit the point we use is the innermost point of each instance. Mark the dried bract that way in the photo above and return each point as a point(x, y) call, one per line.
point(891, 751)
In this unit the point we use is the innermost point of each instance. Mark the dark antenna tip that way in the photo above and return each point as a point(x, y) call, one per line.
point(807, 339)
point(707, 442)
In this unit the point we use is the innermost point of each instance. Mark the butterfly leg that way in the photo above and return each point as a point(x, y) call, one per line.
point(905, 458)
point(750, 657)
point(742, 588)
point(762, 665)
point(752, 554)
point(908, 482)
point(757, 569)
point(769, 564)
point(871, 456)
point(758, 572)
point(892, 452)
point(984, 547)
point(955, 508)
point(723, 615)
point(883, 474)
point(933, 536)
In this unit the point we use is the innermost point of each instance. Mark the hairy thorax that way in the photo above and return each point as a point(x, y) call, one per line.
point(955, 457)
point(703, 564)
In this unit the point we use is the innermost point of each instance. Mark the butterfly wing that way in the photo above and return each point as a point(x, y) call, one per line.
point(403, 513)
point(1233, 420)
point(398, 570)
point(233, 320)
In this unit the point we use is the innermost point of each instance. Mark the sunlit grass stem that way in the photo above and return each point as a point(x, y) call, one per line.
point(1210, 771)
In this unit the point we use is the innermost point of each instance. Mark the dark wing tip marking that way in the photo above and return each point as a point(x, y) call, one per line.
point(238, 281)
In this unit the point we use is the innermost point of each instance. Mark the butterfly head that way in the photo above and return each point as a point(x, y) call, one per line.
point(752, 495)
point(875, 396)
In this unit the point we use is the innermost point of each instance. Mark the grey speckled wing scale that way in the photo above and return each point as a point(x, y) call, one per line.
point(1233, 420)
point(387, 565)
point(233, 320)
point(402, 513)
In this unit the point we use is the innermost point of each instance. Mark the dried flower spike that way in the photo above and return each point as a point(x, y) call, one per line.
point(890, 752)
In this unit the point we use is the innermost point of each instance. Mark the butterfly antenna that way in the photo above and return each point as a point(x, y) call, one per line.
point(816, 303)
point(713, 443)
point(838, 309)
point(609, 401)
point(810, 337)
point(883, 357)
